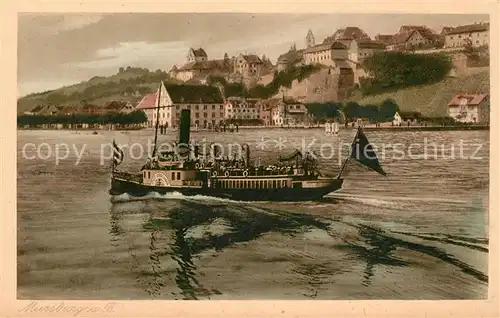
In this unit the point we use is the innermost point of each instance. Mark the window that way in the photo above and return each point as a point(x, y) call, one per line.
point(213, 115)
point(213, 107)
point(178, 175)
point(197, 115)
point(205, 107)
point(149, 174)
point(173, 175)
point(221, 107)
point(221, 114)
point(205, 115)
point(196, 107)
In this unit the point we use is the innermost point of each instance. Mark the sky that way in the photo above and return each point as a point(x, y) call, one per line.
point(57, 49)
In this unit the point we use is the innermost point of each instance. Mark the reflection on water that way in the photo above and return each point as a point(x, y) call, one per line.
point(246, 224)
point(181, 232)
point(379, 251)
point(420, 233)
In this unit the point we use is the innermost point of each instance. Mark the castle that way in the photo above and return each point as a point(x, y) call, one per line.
point(343, 52)
point(244, 68)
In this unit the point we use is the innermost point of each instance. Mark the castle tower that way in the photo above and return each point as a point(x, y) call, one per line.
point(310, 41)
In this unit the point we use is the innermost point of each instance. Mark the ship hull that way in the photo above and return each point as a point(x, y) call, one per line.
point(120, 186)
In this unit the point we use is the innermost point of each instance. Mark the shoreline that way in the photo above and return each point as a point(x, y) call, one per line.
point(368, 128)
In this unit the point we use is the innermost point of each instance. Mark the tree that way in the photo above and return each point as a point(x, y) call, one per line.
point(351, 110)
point(387, 109)
point(370, 111)
point(394, 70)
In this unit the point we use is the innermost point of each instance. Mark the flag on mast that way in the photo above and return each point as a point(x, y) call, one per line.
point(363, 152)
point(117, 154)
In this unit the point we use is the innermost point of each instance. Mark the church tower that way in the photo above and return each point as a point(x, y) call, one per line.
point(310, 39)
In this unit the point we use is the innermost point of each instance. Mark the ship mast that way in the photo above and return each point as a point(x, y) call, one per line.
point(157, 118)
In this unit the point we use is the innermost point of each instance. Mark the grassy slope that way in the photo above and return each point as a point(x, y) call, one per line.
point(432, 100)
point(30, 101)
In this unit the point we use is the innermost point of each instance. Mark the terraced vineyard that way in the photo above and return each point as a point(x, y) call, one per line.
point(432, 100)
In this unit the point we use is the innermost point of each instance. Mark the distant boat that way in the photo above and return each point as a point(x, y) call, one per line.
point(189, 172)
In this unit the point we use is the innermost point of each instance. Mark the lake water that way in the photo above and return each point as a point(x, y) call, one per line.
point(419, 233)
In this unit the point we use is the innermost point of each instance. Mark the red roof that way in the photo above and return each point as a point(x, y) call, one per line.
point(148, 101)
point(472, 99)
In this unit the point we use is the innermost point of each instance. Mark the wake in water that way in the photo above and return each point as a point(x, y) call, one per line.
point(381, 200)
point(123, 198)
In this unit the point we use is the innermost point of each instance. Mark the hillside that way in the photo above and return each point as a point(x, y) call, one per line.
point(128, 84)
point(320, 86)
point(432, 100)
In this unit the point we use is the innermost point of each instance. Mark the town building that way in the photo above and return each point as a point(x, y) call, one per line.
point(470, 108)
point(68, 110)
point(198, 55)
point(351, 50)
point(287, 112)
point(384, 38)
point(326, 53)
point(291, 58)
point(348, 33)
point(345, 57)
point(148, 104)
point(123, 107)
point(364, 49)
point(44, 110)
point(91, 109)
point(243, 68)
point(445, 30)
point(476, 35)
point(34, 111)
point(412, 37)
point(240, 108)
point(397, 120)
point(266, 107)
point(248, 65)
point(199, 70)
point(205, 102)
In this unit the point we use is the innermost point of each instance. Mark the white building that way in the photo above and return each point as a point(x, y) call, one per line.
point(240, 108)
point(470, 108)
point(477, 34)
point(289, 113)
point(205, 102)
point(397, 121)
